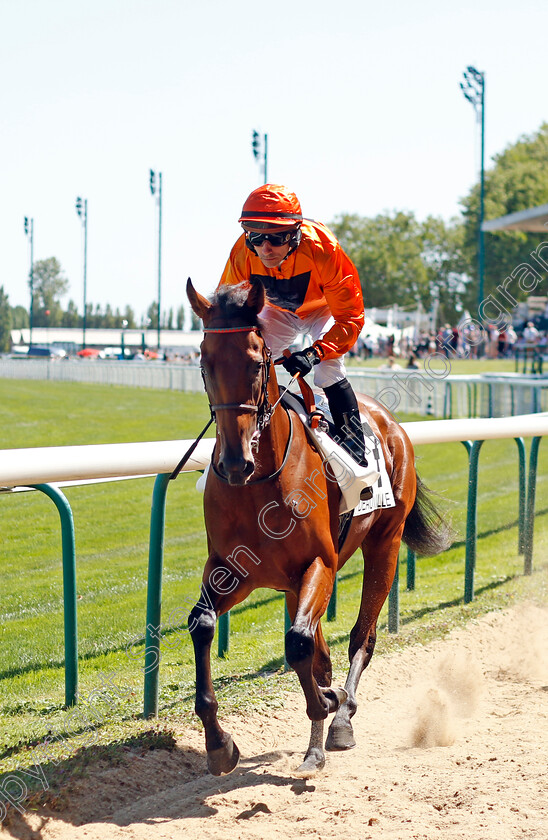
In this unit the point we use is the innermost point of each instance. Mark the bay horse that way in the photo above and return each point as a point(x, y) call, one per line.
point(272, 514)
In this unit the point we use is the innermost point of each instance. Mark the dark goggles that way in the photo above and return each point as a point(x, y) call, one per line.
point(275, 239)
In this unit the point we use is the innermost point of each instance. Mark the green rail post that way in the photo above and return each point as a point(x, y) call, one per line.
point(154, 595)
point(69, 590)
point(491, 405)
point(223, 640)
point(530, 507)
point(448, 401)
point(332, 606)
point(287, 628)
point(394, 602)
point(471, 518)
point(522, 495)
point(411, 566)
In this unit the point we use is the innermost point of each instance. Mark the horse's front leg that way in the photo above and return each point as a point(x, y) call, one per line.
point(314, 593)
point(222, 753)
point(314, 758)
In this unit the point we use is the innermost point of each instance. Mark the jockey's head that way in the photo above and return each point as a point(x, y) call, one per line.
point(271, 218)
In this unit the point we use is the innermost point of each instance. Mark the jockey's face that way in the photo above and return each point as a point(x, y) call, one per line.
point(270, 255)
point(271, 245)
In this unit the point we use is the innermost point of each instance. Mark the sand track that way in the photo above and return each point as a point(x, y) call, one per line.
point(452, 743)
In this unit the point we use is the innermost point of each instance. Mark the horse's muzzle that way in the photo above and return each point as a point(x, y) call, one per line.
point(236, 471)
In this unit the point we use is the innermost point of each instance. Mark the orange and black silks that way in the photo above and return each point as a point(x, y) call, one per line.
point(316, 274)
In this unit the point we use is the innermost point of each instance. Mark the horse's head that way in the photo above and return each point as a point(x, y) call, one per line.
point(235, 366)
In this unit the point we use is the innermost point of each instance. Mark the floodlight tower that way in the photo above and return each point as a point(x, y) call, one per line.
point(156, 190)
point(29, 231)
point(82, 211)
point(257, 151)
point(473, 89)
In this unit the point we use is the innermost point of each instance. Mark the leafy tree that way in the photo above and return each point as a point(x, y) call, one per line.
point(517, 181)
point(180, 318)
point(129, 316)
point(5, 322)
point(387, 253)
point(108, 320)
point(195, 322)
point(19, 317)
point(49, 286)
point(71, 318)
point(445, 262)
point(403, 261)
point(152, 315)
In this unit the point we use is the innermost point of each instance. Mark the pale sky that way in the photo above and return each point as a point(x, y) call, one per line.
point(360, 101)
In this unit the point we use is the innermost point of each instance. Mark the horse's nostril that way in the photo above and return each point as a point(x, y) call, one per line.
point(235, 472)
point(222, 469)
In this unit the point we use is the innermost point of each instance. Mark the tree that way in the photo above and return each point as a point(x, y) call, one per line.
point(108, 321)
point(446, 264)
point(49, 286)
point(180, 319)
point(129, 316)
point(5, 322)
point(517, 181)
point(19, 317)
point(403, 261)
point(387, 253)
point(152, 315)
point(195, 322)
point(71, 318)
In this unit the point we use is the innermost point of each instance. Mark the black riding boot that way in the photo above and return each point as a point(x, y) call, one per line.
point(346, 417)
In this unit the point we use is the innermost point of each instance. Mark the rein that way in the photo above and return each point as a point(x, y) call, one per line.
point(276, 473)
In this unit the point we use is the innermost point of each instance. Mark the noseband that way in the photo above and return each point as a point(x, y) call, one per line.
point(262, 408)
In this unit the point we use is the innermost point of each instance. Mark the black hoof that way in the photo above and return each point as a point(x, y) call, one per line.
point(224, 760)
point(313, 762)
point(340, 737)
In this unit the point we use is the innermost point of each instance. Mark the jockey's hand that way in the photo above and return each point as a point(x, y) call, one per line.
point(302, 361)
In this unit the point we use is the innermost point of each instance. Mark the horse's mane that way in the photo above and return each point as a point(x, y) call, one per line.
point(230, 302)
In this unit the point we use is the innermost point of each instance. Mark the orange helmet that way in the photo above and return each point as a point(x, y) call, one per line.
point(271, 206)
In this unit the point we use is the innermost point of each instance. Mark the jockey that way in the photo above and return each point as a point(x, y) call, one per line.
point(312, 288)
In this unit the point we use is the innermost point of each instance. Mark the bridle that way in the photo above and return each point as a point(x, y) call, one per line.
point(262, 407)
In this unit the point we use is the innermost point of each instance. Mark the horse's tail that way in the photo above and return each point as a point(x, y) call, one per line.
point(426, 532)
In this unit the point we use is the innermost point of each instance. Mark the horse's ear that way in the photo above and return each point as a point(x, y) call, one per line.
point(255, 298)
point(200, 305)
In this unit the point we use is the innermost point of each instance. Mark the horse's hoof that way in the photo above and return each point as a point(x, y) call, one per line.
point(313, 762)
point(335, 697)
point(224, 760)
point(340, 737)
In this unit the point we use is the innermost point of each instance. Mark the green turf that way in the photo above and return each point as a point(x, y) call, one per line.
point(464, 367)
point(112, 527)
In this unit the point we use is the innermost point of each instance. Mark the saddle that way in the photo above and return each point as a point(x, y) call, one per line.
point(353, 478)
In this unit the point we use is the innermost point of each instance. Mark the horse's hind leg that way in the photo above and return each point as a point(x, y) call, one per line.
point(381, 557)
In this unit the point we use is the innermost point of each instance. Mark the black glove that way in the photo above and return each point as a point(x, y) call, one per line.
point(302, 361)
